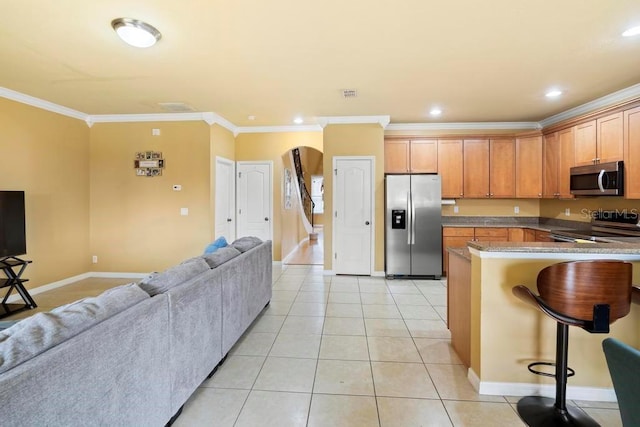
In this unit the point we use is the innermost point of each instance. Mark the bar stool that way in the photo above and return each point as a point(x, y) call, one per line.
point(587, 294)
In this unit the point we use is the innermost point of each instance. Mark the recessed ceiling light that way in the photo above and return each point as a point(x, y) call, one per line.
point(553, 93)
point(135, 32)
point(633, 31)
point(435, 111)
point(298, 120)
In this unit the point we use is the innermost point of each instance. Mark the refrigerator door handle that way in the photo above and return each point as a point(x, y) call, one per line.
point(413, 222)
point(410, 219)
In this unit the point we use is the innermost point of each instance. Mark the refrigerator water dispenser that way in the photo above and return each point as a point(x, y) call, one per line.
point(399, 219)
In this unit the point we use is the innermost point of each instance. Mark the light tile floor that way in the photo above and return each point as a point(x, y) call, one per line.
point(340, 351)
point(351, 351)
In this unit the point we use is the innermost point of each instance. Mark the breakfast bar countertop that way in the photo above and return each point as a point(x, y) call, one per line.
point(557, 247)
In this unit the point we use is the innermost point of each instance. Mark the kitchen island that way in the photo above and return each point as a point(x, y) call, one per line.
point(505, 335)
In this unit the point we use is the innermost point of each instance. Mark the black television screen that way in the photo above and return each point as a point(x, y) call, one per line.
point(12, 230)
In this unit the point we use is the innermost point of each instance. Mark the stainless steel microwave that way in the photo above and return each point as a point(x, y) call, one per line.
point(601, 179)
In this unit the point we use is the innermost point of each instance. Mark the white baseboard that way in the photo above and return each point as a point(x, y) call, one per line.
point(597, 394)
point(290, 254)
point(328, 273)
point(60, 283)
point(378, 274)
point(116, 275)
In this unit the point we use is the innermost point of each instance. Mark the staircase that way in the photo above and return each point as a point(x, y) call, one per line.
point(307, 203)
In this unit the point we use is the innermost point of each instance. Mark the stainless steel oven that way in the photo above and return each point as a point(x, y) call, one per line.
point(602, 179)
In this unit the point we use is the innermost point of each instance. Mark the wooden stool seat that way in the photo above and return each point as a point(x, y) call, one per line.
point(587, 294)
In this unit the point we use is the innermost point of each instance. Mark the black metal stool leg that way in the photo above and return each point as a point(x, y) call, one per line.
point(538, 411)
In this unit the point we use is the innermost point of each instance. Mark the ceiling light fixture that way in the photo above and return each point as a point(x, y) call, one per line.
point(553, 93)
point(633, 31)
point(135, 32)
point(298, 120)
point(435, 111)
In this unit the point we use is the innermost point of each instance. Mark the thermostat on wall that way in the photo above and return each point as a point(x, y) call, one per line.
point(177, 187)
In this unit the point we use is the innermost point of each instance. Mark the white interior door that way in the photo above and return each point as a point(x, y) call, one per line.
point(353, 215)
point(255, 193)
point(225, 222)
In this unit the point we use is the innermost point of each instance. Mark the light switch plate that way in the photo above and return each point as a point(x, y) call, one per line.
point(184, 211)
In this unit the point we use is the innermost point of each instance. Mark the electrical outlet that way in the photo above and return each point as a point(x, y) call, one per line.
point(455, 209)
point(516, 209)
point(94, 259)
point(567, 212)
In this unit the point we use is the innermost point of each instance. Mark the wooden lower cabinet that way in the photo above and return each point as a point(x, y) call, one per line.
point(459, 306)
point(454, 237)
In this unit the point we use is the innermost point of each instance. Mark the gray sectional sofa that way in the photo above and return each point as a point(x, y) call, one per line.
point(133, 355)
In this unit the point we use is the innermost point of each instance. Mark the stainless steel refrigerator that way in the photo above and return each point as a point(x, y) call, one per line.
point(413, 225)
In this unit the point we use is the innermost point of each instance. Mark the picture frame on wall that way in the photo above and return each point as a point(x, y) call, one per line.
point(287, 188)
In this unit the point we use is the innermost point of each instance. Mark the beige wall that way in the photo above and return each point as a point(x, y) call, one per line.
point(354, 140)
point(46, 155)
point(582, 209)
point(271, 146)
point(493, 207)
point(136, 224)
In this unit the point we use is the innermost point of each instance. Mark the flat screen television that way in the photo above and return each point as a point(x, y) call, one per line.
point(13, 240)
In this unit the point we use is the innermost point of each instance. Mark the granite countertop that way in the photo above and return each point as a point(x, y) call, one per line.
point(535, 223)
point(557, 247)
point(462, 252)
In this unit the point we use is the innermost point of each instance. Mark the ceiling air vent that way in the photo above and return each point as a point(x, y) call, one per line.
point(176, 107)
point(349, 93)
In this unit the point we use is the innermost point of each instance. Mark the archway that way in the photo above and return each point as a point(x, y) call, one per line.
point(301, 231)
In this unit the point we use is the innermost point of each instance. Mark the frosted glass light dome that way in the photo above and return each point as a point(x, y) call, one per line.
point(136, 33)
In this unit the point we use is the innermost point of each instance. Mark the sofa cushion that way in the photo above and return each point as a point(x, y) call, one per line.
point(221, 256)
point(243, 244)
point(158, 283)
point(220, 242)
point(42, 331)
point(5, 324)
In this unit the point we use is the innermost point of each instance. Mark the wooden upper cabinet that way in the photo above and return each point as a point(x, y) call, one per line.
point(632, 153)
point(502, 172)
point(415, 156)
point(551, 150)
point(424, 156)
point(566, 147)
point(559, 158)
point(585, 143)
point(476, 168)
point(529, 167)
point(450, 163)
point(610, 141)
point(396, 156)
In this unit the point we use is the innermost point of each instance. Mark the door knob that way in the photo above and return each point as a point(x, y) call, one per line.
point(228, 219)
point(266, 219)
point(366, 223)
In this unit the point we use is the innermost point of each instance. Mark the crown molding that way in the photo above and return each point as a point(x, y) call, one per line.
point(209, 118)
point(463, 126)
point(353, 120)
point(41, 103)
point(213, 118)
point(276, 129)
point(597, 104)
